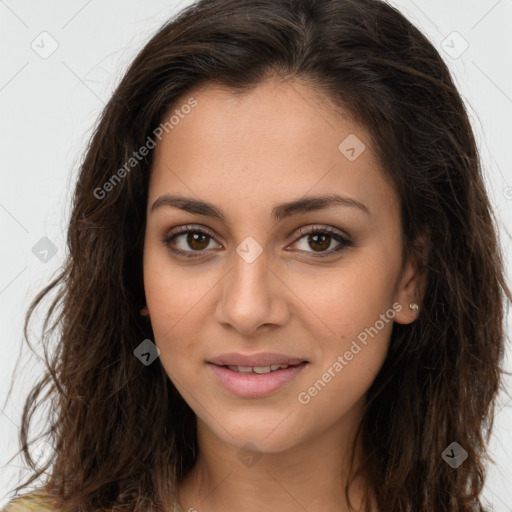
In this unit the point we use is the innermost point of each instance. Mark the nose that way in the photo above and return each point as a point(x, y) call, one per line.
point(252, 296)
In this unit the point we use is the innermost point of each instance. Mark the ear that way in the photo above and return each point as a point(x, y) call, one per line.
point(411, 284)
point(144, 311)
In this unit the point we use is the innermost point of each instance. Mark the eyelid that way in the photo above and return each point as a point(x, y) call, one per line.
point(324, 228)
point(344, 238)
point(181, 230)
point(191, 227)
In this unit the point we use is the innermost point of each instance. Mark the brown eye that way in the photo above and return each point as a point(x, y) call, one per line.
point(318, 239)
point(193, 240)
point(197, 240)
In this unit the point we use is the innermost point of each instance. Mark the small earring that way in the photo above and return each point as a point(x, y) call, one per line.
point(414, 306)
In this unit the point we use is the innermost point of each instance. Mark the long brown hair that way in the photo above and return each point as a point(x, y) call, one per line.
point(122, 435)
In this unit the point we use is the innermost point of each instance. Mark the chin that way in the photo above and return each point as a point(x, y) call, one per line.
point(264, 439)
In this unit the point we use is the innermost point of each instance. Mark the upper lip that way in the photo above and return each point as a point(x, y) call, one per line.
point(262, 359)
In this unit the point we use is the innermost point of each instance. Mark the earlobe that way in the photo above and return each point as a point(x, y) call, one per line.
point(144, 311)
point(409, 311)
point(408, 314)
point(410, 292)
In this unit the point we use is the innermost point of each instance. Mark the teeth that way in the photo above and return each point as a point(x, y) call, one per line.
point(257, 369)
point(244, 369)
point(261, 369)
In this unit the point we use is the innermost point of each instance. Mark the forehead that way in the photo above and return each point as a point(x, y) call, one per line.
point(279, 114)
point(278, 140)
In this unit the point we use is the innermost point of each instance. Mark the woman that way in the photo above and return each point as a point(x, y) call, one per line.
point(283, 268)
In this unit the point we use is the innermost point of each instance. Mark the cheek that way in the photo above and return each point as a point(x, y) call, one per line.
point(170, 290)
point(346, 300)
point(166, 297)
point(349, 361)
point(352, 315)
point(177, 299)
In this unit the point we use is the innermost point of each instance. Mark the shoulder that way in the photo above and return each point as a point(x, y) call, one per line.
point(34, 501)
point(37, 501)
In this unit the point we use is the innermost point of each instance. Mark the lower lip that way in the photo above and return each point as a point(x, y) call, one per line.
point(253, 385)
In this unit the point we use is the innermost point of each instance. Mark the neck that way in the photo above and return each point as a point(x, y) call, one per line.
point(308, 476)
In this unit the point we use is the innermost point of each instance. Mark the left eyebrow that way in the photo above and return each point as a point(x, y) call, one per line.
point(279, 212)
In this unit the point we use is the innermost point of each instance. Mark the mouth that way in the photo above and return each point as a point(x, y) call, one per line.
point(260, 370)
point(256, 381)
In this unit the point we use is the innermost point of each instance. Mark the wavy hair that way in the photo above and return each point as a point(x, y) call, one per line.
point(122, 436)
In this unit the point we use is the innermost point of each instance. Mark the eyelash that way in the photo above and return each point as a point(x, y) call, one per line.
point(315, 230)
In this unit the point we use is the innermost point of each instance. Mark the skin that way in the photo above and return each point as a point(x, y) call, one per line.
point(246, 154)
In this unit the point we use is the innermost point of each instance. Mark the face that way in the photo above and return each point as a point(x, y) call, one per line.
point(259, 274)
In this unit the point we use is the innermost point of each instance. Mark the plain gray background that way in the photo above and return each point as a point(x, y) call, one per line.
point(60, 63)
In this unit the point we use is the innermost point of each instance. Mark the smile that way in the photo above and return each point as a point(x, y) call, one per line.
point(255, 381)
